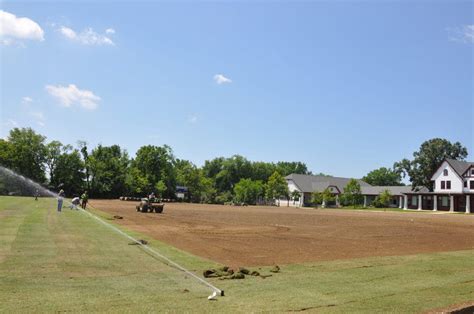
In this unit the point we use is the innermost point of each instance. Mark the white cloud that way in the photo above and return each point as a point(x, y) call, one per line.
point(464, 34)
point(27, 100)
point(69, 33)
point(72, 95)
point(110, 31)
point(87, 36)
point(221, 79)
point(16, 28)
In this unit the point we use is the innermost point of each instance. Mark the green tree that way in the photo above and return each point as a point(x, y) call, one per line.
point(286, 168)
point(383, 199)
point(68, 172)
point(27, 153)
point(276, 187)
point(322, 198)
point(53, 151)
point(85, 156)
point(248, 191)
point(352, 193)
point(427, 159)
point(295, 195)
point(190, 176)
point(151, 165)
point(160, 188)
point(383, 177)
point(108, 169)
point(5, 153)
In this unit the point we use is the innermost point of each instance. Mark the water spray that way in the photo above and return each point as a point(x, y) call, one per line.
point(30, 183)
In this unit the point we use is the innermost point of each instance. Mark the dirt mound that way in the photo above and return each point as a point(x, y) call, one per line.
point(225, 272)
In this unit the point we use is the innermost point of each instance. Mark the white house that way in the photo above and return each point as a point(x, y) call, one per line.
point(453, 189)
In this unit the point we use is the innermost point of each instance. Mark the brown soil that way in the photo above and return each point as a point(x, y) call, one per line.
point(257, 236)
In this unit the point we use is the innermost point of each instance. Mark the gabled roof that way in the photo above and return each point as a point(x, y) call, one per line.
point(310, 183)
point(459, 166)
point(394, 190)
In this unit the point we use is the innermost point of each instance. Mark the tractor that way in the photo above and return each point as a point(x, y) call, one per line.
point(150, 205)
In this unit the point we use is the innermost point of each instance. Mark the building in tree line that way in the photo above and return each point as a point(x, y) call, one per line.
point(306, 185)
point(181, 192)
point(453, 189)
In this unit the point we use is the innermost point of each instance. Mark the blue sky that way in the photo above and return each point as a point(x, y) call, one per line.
point(345, 87)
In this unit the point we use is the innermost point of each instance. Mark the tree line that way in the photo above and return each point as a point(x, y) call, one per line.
point(109, 171)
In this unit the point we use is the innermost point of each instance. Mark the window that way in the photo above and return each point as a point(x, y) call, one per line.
point(414, 200)
point(443, 185)
point(472, 172)
point(471, 183)
point(444, 201)
point(465, 184)
point(445, 172)
point(448, 185)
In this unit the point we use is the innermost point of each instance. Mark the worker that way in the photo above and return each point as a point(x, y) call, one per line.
point(151, 197)
point(60, 200)
point(75, 202)
point(84, 199)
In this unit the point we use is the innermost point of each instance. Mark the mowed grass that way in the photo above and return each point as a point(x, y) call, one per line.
point(52, 262)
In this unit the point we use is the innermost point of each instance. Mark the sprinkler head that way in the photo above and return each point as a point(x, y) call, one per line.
point(212, 296)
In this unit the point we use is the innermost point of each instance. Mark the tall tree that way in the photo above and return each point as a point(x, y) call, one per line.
point(68, 172)
point(427, 159)
point(108, 168)
point(54, 150)
point(277, 186)
point(85, 156)
point(27, 153)
point(190, 176)
point(384, 177)
point(151, 165)
point(286, 168)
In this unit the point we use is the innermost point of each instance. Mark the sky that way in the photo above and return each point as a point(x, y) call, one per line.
point(346, 87)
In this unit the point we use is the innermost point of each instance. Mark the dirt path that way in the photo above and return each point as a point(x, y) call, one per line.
point(253, 236)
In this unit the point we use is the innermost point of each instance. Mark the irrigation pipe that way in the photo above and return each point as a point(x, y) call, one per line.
point(215, 291)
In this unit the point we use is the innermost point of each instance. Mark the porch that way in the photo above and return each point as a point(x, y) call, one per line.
point(439, 202)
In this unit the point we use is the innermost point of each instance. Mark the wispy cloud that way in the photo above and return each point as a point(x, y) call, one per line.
point(221, 79)
point(193, 119)
point(39, 117)
point(71, 95)
point(12, 123)
point(464, 34)
point(13, 28)
point(88, 36)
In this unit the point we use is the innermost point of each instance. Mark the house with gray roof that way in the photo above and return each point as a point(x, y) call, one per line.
point(307, 184)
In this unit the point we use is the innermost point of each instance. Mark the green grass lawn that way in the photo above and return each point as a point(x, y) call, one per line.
point(52, 262)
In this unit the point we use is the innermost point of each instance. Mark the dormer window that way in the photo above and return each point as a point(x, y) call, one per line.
point(445, 172)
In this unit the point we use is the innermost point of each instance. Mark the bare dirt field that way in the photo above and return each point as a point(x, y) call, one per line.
point(257, 236)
